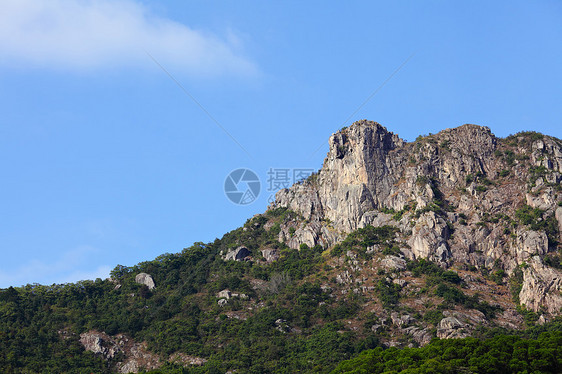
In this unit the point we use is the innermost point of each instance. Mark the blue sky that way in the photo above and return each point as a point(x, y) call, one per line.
point(105, 160)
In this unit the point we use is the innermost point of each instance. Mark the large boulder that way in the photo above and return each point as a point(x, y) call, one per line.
point(224, 294)
point(429, 238)
point(451, 328)
point(238, 254)
point(146, 279)
point(270, 254)
point(393, 263)
point(542, 287)
point(99, 343)
point(421, 336)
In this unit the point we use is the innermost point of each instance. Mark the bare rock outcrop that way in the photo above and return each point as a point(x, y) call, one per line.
point(270, 254)
point(355, 179)
point(146, 279)
point(542, 286)
point(99, 343)
point(138, 357)
point(558, 216)
point(134, 356)
point(461, 196)
point(369, 168)
point(528, 244)
point(238, 254)
point(186, 360)
point(451, 328)
point(420, 336)
point(429, 238)
point(393, 263)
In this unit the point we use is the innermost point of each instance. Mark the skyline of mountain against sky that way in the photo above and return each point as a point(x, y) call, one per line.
point(121, 120)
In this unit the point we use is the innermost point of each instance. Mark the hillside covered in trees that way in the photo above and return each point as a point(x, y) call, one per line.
point(440, 255)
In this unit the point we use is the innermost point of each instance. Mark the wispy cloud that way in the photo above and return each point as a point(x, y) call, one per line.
point(72, 266)
point(80, 34)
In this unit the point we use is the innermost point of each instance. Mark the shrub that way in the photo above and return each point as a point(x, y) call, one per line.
point(498, 276)
point(504, 173)
point(480, 188)
point(389, 293)
point(433, 316)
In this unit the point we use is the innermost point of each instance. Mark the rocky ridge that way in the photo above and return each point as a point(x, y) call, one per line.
point(486, 212)
point(462, 198)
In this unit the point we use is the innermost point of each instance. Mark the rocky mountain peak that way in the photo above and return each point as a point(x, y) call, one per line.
point(461, 197)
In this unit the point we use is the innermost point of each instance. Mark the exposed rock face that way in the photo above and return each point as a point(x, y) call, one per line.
point(429, 238)
point(393, 263)
point(99, 343)
point(136, 355)
point(225, 294)
point(238, 254)
point(558, 216)
point(450, 328)
point(421, 336)
point(529, 244)
point(139, 358)
point(356, 178)
point(401, 320)
point(457, 197)
point(270, 254)
point(541, 285)
point(369, 168)
point(146, 279)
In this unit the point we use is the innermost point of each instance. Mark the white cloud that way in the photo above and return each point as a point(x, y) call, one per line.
point(90, 34)
point(72, 266)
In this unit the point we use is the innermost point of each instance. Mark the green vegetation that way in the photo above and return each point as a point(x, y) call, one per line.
point(398, 215)
point(498, 276)
point(435, 272)
point(510, 157)
point(480, 178)
point(444, 283)
point(386, 210)
point(536, 220)
point(439, 205)
point(40, 325)
point(446, 145)
point(524, 138)
point(388, 292)
point(501, 354)
point(481, 188)
point(182, 315)
point(516, 284)
point(537, 172)
point(433, 316)
point(359, 240)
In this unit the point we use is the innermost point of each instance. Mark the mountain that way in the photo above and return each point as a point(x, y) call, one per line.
point(460, 197)
point(392, 244)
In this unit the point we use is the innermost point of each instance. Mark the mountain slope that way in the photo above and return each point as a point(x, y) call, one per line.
point(463, 196)
point(391, 244)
